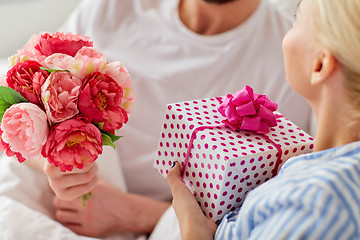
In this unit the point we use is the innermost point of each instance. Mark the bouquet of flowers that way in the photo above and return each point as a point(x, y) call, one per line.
point(61, 99)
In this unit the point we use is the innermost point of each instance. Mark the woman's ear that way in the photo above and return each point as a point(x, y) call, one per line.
point(324, 65)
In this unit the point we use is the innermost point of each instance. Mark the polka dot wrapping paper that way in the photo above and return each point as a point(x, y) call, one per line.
point(223, 165)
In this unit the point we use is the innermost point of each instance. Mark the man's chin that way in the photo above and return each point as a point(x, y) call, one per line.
point(218, 1)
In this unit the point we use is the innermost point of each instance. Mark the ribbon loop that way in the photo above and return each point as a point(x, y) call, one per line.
point(248, 111)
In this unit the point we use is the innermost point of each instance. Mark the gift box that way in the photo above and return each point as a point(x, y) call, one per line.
point(221, 165)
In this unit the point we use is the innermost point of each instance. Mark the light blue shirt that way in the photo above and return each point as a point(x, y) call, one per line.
point(314, 196)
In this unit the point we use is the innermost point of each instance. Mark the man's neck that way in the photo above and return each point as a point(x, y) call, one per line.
point(210, 19)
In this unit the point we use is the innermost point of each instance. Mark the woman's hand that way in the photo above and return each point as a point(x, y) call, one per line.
point(193, 223)
point(71, 185)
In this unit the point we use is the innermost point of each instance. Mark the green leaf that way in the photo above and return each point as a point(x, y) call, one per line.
point(109, 139)
point(11, 96)
point(8, 97)
point(54, 70)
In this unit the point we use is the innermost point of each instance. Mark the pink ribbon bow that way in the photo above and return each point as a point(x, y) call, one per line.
point(248, 111)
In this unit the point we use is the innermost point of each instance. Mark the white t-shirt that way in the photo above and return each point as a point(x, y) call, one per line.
point(287, 6)
point(168, 63)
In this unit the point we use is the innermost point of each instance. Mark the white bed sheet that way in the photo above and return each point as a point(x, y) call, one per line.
point(26, 210)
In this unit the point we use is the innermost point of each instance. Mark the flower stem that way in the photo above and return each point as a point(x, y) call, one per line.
point(84, 198)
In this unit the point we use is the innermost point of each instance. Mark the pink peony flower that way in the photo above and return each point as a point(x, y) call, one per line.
point(92, 59)
point(118, 72)
point(60, 94)
point(27, 79)
point(24, 131)
point(5, 147)
point(249, 111)
point(73, 143)
point(3, 81)
point(66, 43)
point(28, 52)
point(100, 102)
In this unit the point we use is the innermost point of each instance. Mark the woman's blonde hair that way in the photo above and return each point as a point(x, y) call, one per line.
point(337, 27)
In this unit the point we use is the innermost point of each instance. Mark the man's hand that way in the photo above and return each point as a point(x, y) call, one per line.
point(110, 211)
point(71, 185)
point(193, 223)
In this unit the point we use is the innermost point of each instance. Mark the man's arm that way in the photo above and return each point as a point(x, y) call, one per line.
point(109, 210)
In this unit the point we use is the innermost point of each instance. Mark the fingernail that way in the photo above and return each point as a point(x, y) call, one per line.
point(173, 164)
